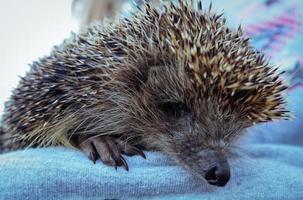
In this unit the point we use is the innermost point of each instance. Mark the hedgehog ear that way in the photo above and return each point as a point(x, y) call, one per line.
point(154, 73)
point(149, 76)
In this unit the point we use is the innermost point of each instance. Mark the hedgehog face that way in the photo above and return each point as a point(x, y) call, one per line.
point(195, 132)
point(199, 143)
point(204, 85)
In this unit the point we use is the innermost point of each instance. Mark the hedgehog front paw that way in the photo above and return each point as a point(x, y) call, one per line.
point(109, 150)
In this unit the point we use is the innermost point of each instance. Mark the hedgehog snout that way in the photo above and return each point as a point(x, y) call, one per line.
point(217, 170)
point(219, 174)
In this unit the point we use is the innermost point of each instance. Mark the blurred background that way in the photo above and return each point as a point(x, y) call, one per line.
point(28, 30)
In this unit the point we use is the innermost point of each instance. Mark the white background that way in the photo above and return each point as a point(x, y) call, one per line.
point(28, 30)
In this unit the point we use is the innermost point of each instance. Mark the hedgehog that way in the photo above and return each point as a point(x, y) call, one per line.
point(173, 79)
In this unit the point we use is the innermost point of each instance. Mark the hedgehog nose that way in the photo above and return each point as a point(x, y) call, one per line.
point(219, 174)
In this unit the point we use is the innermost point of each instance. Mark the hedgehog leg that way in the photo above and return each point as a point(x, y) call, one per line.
point(108, 149)
point(104, 148)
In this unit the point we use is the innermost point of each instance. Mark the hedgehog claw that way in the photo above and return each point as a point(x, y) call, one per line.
point(109, 150)
point(129, 150)
point(93, 157)
point(136, 151)
point(141, 153)
point(124, 163)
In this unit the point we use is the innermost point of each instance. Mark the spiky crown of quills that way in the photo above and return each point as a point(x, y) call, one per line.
point(219, 61)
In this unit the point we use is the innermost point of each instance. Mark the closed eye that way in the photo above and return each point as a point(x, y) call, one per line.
point(173, 109)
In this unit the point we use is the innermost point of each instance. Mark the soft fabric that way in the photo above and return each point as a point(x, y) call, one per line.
point(265, 172)
point(269, 165)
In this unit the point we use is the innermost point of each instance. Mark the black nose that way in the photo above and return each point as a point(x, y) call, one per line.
point(218, 175)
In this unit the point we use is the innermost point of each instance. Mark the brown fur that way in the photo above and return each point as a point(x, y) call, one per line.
point(177, 80)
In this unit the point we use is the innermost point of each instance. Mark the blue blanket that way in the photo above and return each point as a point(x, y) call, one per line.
point(270, 165)
point(267, 171)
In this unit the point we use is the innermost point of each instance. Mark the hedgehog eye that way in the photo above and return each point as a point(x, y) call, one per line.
point(173, 109)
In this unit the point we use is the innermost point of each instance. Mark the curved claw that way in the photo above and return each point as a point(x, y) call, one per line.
point(139, 152)
point(93, 157)
point(124, 163)
point(132, 151)
point(109, 150)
